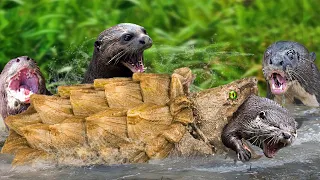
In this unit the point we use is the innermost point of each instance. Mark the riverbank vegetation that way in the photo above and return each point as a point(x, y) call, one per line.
point(220, 40)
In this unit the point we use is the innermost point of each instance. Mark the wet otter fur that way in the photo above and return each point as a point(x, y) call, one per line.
point(291, 74)
point(19, 79)
point(263, 123)
point(118, 52)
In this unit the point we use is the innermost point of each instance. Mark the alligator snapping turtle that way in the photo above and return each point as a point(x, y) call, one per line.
point(124, 120)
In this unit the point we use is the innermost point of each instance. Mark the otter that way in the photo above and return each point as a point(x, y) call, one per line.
point(19, 79)
point(118, 52)
point(291, 74)
point(263, 123)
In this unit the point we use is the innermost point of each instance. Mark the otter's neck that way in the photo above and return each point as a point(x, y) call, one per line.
point(296, 90)
point(99, 68)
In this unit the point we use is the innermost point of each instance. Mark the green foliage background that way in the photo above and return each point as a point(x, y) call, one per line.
point(220, 40)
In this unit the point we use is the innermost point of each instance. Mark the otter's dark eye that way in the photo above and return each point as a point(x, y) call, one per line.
point(262, 115)
point(97, 44)
point(127, 37)
point(233, 95)
point(18, 60)
point(144, 31)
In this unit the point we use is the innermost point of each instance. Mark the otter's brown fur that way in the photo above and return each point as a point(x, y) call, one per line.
point(262, 122)
point(118, 52)
point(291, 74)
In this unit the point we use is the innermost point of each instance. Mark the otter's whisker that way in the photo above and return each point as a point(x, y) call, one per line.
point(298, 76)
point(116, 56)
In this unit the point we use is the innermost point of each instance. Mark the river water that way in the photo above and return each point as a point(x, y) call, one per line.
point(301, 160)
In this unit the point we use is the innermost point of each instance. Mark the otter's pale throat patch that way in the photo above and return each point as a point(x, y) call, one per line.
point(295, 90)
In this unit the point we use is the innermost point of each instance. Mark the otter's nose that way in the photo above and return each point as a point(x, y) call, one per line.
point(145, 41)
point(142, 41)
point(279, 62)
point(276, 61)
point(286, 135)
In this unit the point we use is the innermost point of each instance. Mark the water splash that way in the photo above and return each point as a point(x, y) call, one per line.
point(214, 64)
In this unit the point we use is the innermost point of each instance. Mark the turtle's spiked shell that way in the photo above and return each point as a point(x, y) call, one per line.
point(124, 120)
point(117, 120)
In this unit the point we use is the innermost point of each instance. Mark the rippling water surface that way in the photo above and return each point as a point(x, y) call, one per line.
point(299, 161)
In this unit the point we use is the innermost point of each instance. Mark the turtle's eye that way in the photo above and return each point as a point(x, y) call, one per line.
point(233, 95)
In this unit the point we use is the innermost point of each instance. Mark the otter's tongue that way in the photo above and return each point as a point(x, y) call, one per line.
point(24, 84)
point(24, 93)
point(270, 149)
point(278, 84)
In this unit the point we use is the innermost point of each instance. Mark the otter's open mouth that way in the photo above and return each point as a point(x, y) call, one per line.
point(270, 149)
point(278, 83)
point(23, 84)
point(135, 64)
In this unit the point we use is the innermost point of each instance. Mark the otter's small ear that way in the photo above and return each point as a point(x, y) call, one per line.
point(313, 56)
point(262, 115)
point(97, 44)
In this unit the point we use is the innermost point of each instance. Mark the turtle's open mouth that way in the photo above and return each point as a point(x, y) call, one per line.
point(23, 84)
point(135, 63)
point(270, 149)
point(278, 83)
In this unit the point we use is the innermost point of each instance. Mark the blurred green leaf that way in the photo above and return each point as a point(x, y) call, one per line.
point(39, 33)
point(128, 3)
